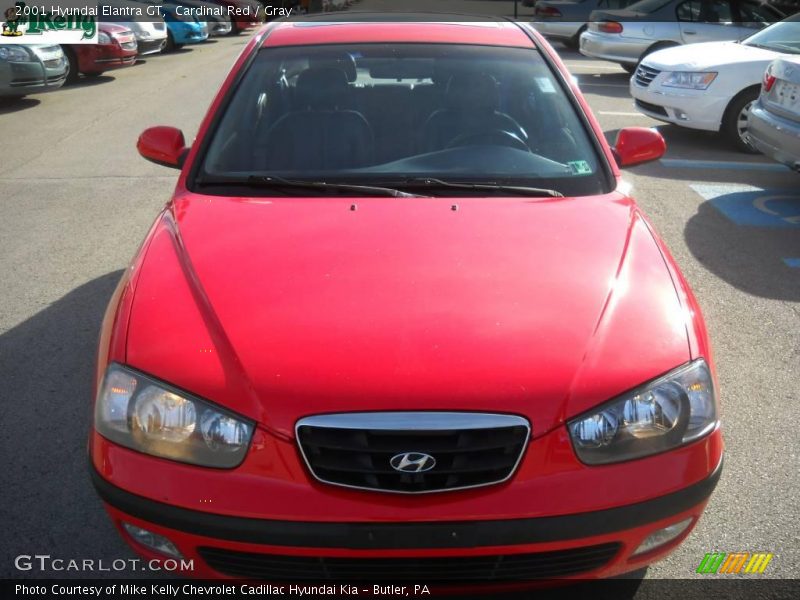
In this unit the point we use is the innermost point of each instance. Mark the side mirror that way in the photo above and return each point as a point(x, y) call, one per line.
point(163, 145)
point(636, 145)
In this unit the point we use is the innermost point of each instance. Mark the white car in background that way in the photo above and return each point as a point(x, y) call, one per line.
point(775, 117)
point(712, 86)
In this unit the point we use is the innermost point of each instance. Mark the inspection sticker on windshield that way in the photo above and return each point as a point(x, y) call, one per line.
point(545, 85)
point(579, 167)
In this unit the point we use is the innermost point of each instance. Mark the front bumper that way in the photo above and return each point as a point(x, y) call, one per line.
point(613, 47)
point(695, 109)
point(151, 45)
point(589, 545)
point(188, 33)
point(270, 506)
point(23, 78)
point(775, 136)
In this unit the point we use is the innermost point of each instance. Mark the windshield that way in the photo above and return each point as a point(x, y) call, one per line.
point(780, 37)
point(381, 114)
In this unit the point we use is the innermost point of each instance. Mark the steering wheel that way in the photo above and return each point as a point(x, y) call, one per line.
point(495, 137)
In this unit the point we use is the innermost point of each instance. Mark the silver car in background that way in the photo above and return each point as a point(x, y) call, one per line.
point(774, 127)
point(566, 20)
point(627, 36)
point(31, 69)
point(150, 31)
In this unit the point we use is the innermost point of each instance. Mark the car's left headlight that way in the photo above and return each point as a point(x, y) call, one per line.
point(141, 413)
point(689, 80)
point(670, 411)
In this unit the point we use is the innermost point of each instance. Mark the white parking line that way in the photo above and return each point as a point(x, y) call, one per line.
point(592, 66)
point(620, 114)
point(589, 84)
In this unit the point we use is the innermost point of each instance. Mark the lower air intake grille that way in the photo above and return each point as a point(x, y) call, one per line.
point(653, 108)
point(476, 569)
point(412, 452)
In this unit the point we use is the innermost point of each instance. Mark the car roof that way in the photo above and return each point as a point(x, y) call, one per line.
point(398, 28)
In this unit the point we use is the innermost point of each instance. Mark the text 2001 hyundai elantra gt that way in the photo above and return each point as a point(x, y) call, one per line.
point(401, 322)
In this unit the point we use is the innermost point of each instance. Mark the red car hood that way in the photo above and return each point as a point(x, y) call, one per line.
point(283, 308)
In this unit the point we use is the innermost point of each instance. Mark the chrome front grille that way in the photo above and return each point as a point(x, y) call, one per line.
point(644, 75)
point(412, 452)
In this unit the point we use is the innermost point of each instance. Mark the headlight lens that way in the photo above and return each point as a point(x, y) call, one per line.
point(103, 38)
point(668, 412)
point(141, 413)
point(689, 80)
point(14, 54)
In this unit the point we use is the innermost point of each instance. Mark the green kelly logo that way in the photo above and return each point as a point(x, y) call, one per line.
point(38, 22)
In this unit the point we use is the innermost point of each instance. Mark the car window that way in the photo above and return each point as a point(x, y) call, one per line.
point(614, 4)
point(377, 113)
point(705, 11)
point(752, 12)
point(649, 6)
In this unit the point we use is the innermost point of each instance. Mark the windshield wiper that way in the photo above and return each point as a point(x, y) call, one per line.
point(432, 183)
point(268, 181)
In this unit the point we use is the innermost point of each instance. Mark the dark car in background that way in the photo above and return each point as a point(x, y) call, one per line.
point(116, 48)
point(31, 69)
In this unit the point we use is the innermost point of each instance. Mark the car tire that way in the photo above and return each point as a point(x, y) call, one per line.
point(734, 122)
point(93, 74)
point(235, 29)
point(72, 66)
point(574, 42)
point(630, 68)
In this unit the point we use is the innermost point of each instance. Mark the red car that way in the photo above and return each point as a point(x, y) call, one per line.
point(401, 321)
point(116, 47)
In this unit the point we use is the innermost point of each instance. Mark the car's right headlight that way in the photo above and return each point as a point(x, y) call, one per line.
point(103, 38)
point(689, 80)
point(666, 413)
point(15, 54)
point(144, 414)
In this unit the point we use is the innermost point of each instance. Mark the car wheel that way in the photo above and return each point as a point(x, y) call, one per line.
point(629, 67)
point(737, 118)
point(574, 42)
point(93, 74)
point(170, 47)
point(235, 29)
point(72, 66)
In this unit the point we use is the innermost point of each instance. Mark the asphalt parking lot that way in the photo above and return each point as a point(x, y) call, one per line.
point(76, 200)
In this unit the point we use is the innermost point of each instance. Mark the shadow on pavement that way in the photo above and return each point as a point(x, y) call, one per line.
point(751, 258)
point(12, 105)
point(46, 368)
point(611, 85)
point(90, 81)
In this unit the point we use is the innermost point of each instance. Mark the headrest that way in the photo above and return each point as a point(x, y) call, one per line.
point(342, 61)
point(323, 88)
point(472, 91)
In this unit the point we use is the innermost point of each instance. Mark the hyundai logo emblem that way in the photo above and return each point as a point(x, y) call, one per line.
point(412, 462)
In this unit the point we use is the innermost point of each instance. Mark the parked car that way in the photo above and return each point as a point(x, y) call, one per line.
point(249, 14)
point(219, 23)
point(184, 25)
point(419, 314)
point(775, 117)
point(115, 48)
point(627, 36)
point(712, 86)
point(150, 30)
point(31, 69)
point(566, 20)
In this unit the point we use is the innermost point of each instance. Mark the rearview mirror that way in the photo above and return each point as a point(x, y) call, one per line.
point(163, 145)
point(636, 145)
